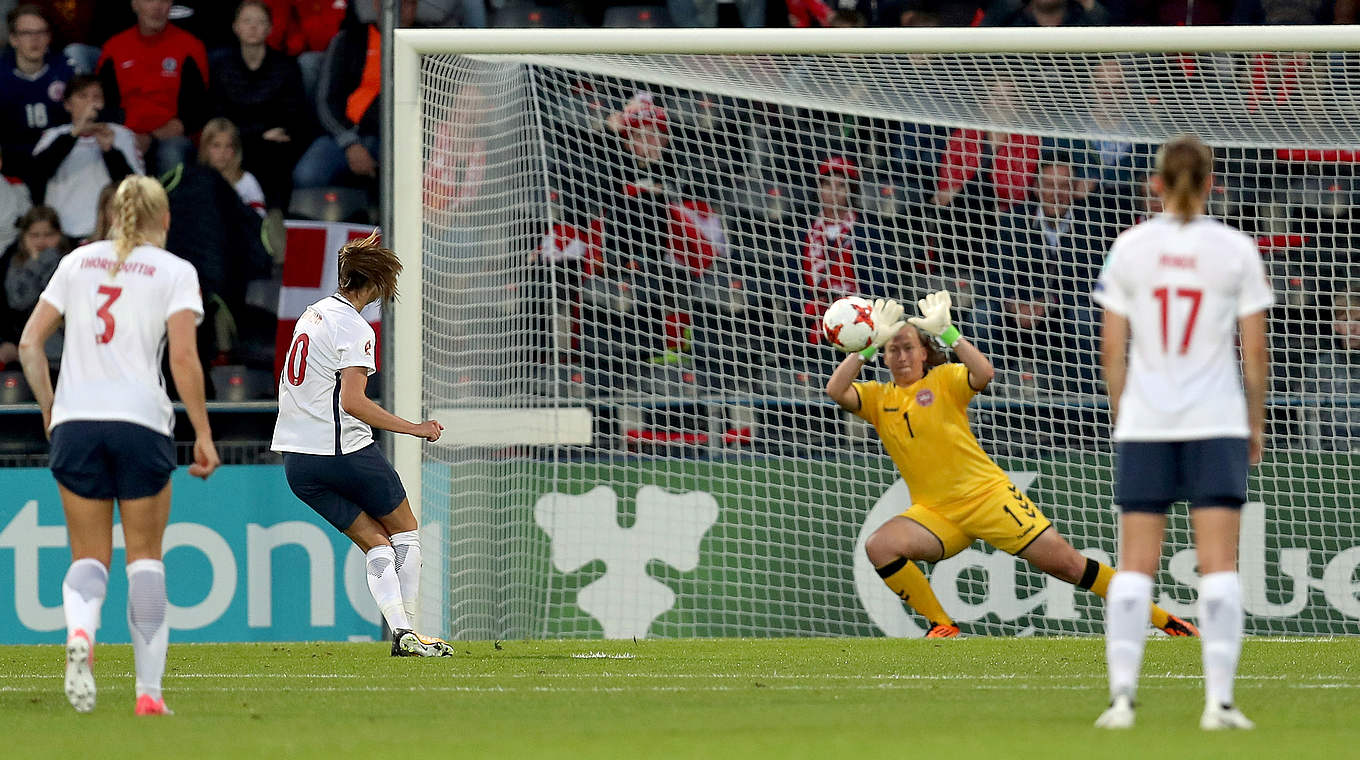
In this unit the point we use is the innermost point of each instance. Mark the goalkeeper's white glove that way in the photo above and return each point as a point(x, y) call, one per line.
point(887, 316)
point(934, 318)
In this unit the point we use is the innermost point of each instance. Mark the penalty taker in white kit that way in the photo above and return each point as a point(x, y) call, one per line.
point(325, 432)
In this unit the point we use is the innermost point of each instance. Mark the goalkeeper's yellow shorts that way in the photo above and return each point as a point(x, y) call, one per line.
point(1002, 516)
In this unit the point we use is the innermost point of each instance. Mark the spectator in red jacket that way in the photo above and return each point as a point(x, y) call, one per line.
point(302, 26)
point(840, 250)
point(805, 13)
point(157, 74)
point(982, 172)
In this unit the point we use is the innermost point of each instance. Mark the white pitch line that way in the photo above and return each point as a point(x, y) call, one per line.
point(754, 686)
point(692, 676)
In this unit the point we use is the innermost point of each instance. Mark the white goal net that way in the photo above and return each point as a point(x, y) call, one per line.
point(621, 259)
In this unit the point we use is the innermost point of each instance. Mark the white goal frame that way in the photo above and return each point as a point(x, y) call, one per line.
point(411, 44)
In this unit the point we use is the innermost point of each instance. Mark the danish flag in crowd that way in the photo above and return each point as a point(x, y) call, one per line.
point(310, 273)
point(695, 239)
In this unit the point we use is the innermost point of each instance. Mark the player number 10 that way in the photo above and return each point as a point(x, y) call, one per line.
point(1195, 296)
point(296, 368)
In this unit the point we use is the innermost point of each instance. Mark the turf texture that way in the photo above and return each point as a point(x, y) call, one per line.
point(754, 699)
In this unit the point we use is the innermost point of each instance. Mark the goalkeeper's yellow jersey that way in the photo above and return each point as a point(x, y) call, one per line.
point(924, 428)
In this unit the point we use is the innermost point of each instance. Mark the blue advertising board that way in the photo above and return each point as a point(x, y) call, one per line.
point(244, 561)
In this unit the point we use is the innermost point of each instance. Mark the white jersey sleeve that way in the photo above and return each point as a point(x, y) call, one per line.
point(1255, 294)
point(1110, 291)
point(185, 294)
point(56, 291)
point(354, 340)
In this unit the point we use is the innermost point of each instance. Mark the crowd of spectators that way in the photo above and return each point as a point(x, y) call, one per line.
point(814, 205)
point(238, 107)
point(232, 106)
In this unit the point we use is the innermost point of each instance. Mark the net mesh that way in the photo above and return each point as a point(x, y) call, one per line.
point(652, 238)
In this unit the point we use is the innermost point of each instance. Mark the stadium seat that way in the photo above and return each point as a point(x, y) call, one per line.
point(236, 382)
point(636, 17)
point(14, 389)
point(529, 16)
point(329, 204)
point(264, 294)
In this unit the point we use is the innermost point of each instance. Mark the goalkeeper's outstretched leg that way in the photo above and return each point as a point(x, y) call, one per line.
point(1052, 554)
point(902, 539)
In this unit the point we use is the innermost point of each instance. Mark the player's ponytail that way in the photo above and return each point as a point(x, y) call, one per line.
point(1184, 165)
point(366, 262)
point(139, 206)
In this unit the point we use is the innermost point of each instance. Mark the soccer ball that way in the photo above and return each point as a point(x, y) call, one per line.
point(849, 324)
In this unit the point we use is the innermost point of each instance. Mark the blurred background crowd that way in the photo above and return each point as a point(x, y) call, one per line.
point(686, 235)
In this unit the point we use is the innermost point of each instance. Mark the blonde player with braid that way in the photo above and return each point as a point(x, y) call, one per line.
point(958, 493)
point(110, 422)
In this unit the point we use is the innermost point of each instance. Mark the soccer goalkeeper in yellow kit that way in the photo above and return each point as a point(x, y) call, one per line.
point(958, 493)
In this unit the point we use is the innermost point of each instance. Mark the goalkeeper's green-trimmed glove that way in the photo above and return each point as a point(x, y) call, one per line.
point(934, 318)
point(887, 316)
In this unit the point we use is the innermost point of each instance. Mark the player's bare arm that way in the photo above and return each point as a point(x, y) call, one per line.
point(43, 322)
point(1114, 357)
point(182, 335)
point(841, 385)
point(980, 369)
point(1254, 368)
point(353, 382)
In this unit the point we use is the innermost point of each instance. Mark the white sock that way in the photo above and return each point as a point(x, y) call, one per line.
point(146, 623)
point(1220, 630)
point(386, 589)
point(406, 545)
point(82, 595)
point(1127, 608)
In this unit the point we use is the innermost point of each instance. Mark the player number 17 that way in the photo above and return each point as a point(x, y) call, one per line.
point(1164, 295)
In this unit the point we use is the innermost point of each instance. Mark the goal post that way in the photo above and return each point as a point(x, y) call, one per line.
point(619, 335)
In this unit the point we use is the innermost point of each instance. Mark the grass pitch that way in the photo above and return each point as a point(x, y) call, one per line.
point(775, 698)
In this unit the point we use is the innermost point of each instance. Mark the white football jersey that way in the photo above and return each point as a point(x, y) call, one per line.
point(1182, 287)
point(116, 332)
point(329, 336)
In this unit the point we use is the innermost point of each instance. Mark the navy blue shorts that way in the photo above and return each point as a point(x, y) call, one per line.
point(100, 459)
point(1150, 475)
point(340, 487)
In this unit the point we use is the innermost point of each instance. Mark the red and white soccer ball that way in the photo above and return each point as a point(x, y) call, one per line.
point(849, 324)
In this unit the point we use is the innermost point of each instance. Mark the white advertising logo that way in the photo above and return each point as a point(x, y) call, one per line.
point(669, 527)
point(27, 537)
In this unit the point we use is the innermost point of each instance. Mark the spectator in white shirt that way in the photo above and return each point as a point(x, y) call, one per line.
point(220, 148)
point(73, 161)
point(14, 203)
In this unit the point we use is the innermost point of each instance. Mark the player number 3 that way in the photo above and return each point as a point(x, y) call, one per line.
point(105, 315)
